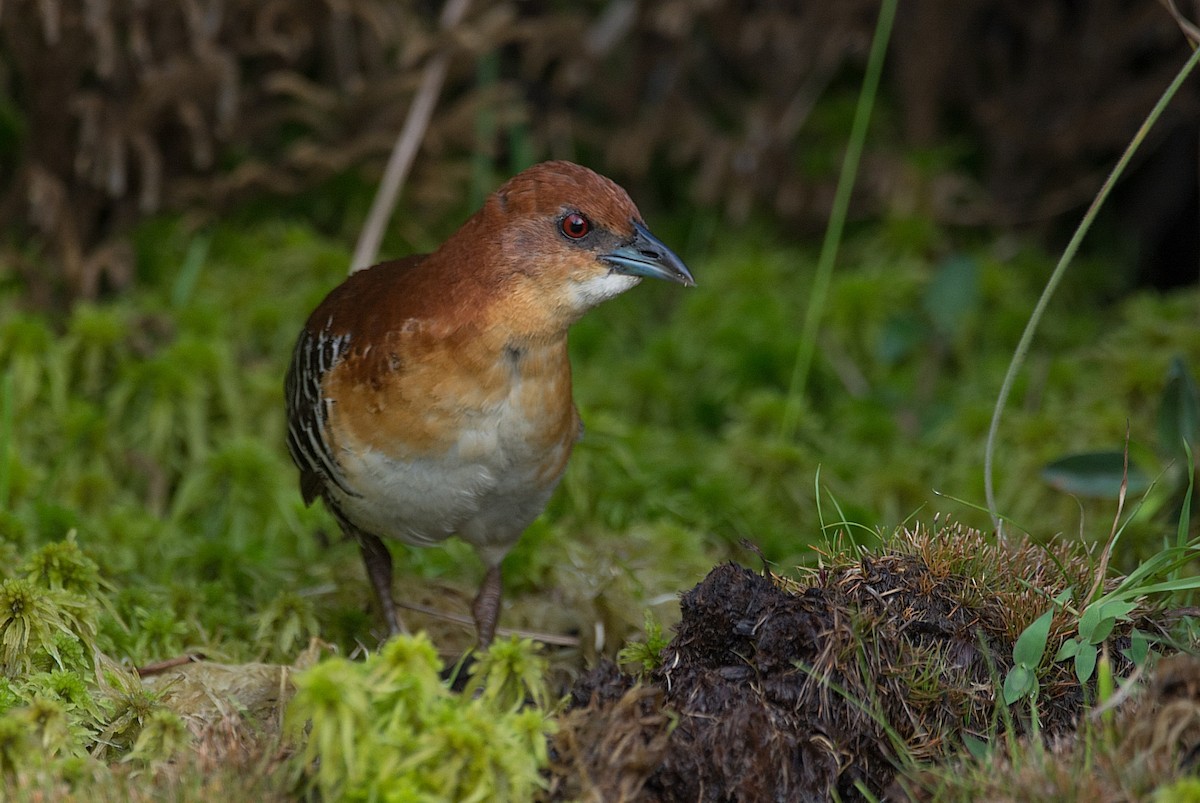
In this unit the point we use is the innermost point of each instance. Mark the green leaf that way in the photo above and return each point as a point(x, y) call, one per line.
point(1094, 474)
point(1139, 647)
point(1182, 584)
point(1179, 410)
point(1100, 617)
point(1085, 662)
point(1116, 609)
point(189, 272)
point(1185, 510)
point(1091, 625)
point(1019, 682)
point(1068, 649)
point(953, 295)
point(1104, 682)
point(900, 336)
point(1159, 564)
point(1031, 644)
point(978, 748)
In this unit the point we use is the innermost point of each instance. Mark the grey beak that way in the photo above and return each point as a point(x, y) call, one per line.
point(646, 255)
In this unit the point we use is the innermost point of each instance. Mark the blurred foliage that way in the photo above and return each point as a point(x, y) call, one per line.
point(904, 381)
point(1111, 474)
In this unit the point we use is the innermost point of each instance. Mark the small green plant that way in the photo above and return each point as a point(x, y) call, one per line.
point(388, 728)
point(647, 655)
point(34, 620)
point(163, 735)
point(510, 674)
point(63, 566)
point(287, 623)
point(1028, 651)
point(1095, 626)
point(1158, 576)
point(130, 706)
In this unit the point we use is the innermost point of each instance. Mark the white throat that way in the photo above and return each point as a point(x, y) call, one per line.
point(590, 292)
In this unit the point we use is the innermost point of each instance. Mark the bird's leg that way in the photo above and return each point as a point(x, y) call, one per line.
point(379, 568)
point(486, 607)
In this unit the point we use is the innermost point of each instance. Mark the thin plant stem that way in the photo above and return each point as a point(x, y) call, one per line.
point(1052, 283)
point(6, 430)
point(407, 143)
point(487, 75)
point(837, 219)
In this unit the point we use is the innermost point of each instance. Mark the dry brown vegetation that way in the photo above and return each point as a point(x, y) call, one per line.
point(121, 109)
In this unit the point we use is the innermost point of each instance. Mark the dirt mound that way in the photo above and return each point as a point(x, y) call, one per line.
point(773, 690)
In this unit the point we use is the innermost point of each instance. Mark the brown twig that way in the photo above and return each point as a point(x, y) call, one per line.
point(169, 664)
point(405, 149)
point(1106, 552)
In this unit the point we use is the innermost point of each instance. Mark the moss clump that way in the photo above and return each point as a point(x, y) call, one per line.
point(389, 728)
point(62, 701)
point(48, 612)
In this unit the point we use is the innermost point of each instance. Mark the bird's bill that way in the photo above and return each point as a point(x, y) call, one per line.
point(646, 255)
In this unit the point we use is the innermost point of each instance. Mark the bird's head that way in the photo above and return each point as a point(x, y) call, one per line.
point(567, 238)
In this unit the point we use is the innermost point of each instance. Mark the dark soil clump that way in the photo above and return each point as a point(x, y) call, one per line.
point(777, 691)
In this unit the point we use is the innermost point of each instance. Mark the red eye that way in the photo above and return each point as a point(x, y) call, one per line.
point(575, 226)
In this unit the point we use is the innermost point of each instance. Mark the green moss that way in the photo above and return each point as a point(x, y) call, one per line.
point(19, 749)
point(287, 623)
point(34, 618)
point(646, 655)
point(388, 728)
point(163, 736)
point(1184, 790)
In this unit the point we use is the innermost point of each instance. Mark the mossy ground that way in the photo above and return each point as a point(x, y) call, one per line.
point(148, 432)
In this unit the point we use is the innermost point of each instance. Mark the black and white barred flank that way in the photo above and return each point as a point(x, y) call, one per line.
point(308, 410)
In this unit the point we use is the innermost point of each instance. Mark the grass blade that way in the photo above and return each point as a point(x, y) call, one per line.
point(837, 219)
point(6, 428)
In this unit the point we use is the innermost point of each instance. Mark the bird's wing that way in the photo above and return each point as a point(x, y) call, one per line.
point(323, 343)
point(315, 354)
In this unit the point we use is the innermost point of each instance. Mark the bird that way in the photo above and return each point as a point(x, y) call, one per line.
point(430, 396)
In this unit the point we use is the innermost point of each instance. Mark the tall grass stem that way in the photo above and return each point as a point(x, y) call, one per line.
point(837, 220)
point(407, 143)
point(6, 434)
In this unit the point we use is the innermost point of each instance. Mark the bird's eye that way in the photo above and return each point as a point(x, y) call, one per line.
point(575, 226)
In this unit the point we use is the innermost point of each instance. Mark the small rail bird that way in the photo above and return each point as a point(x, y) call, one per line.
point(431, 396)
